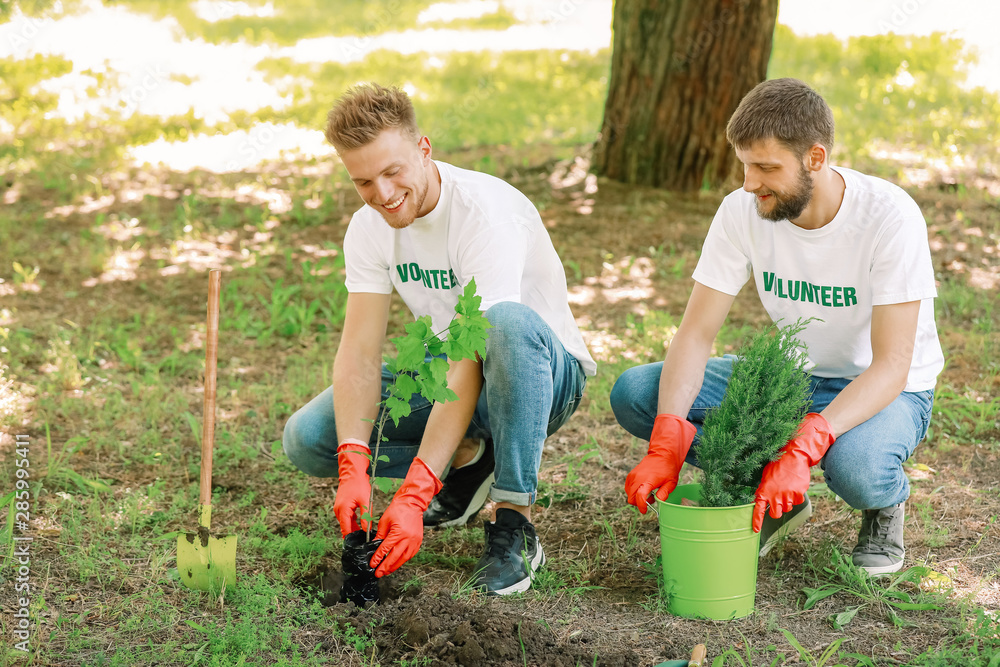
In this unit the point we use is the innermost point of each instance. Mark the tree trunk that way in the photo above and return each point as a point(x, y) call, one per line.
point(679, 69)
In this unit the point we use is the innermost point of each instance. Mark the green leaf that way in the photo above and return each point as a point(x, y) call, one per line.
point(468, 303)
point(814, 595)
point(436, 371)
point(911, 575)
point(454, 348)
point(914, 606)
point(437, 392)
point(898, 595)
point(435, 346)
point(828, 653)
point(396, 409)
point(410, 349)
point(795, 643)
point(383, 484)
point(200, 628)
point(474, 338)
point(83, 483)
point(844, 617)
point(390, 364)
point(403, 387)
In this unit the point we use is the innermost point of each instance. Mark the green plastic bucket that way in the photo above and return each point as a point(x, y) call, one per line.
point(709, 557)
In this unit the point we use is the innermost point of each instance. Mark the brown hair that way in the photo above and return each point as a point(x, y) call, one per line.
point(364, 111)
point(784, 109)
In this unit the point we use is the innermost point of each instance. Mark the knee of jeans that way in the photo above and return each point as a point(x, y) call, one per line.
point(624, 402)
point(307, 452)
point(508, 318)
point(871, 486)
point(620, 398)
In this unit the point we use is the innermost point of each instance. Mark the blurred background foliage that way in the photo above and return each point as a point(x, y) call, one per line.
point(465, 99)
point(895, 92)
point(894, 97)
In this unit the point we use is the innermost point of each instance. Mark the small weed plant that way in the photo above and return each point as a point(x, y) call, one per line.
point(886, 594)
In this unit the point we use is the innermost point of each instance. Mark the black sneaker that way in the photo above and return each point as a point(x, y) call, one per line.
point(513, 555)
point(464, 492)
point(880, 542)
point(773, 531)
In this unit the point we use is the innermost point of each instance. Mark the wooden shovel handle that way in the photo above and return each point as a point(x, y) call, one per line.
point(211, 352)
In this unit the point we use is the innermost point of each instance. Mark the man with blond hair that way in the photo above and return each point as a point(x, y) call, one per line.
point(428, 228)
point(850, 252)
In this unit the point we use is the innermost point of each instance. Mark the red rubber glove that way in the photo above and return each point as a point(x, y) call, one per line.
point(661, 467)
point(784, 482)
point(355, 488)
point(401, 527)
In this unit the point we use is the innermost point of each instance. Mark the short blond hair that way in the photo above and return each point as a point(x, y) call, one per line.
point(784, 109)
point(364, 111)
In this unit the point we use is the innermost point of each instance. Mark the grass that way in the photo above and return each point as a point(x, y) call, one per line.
point(459, 94)
point(887, 597)
point(102, 329)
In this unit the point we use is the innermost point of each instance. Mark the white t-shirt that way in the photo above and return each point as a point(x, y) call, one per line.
point(482, 228)
point(874, 252)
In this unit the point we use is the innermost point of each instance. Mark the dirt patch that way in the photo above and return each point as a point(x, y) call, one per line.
point(449, 631)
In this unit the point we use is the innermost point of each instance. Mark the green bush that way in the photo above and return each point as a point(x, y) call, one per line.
point(767, 397)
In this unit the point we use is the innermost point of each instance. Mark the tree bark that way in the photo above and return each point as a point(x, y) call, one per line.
point(679, 68)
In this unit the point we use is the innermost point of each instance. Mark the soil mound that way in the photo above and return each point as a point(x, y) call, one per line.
point(473, 633)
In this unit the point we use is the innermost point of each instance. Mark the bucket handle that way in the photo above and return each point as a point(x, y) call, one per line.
point(652, 505)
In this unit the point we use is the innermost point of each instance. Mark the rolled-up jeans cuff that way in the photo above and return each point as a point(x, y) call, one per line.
point(512, 497)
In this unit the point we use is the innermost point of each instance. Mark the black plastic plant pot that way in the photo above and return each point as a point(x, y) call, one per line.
point(360, 584)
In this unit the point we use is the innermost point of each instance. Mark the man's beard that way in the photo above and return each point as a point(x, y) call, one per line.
point(402, 223)
point(789, 206)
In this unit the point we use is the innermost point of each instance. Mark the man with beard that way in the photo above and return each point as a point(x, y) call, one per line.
point(426, 230)
point(849, 251)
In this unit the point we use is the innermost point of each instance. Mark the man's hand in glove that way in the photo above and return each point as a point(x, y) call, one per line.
point(784, 482)
point(401, 527)
point(355, 488)
point(661, 467)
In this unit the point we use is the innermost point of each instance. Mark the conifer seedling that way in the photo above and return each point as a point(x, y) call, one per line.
point(765, 401)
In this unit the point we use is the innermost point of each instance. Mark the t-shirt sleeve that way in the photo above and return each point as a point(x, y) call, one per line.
point(495, 254)
point(366, 267)
point(902, 270)
point(724, 264)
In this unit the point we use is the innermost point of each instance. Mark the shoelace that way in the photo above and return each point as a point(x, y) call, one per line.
point(878, 535)
point(502, 540)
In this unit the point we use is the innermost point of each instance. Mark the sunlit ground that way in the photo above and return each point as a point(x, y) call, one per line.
point(132, 62)
point(162, 72)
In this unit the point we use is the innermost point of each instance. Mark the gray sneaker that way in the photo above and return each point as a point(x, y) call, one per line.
point(773, 531)
point(880, 542)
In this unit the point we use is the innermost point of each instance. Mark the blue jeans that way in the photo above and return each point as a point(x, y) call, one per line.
point(864, 466)
point(532, 385)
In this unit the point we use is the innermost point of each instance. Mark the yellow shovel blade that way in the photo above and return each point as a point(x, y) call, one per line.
point(206, 563)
